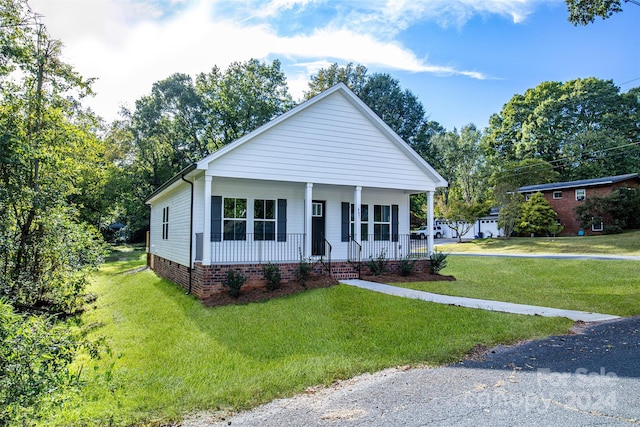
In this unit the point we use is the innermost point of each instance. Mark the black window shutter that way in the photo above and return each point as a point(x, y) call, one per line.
point(394, 223)
point(216, 218)
point(282, 220)
point(345, 221)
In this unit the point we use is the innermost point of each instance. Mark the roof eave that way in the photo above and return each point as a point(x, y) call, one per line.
point(178, 177)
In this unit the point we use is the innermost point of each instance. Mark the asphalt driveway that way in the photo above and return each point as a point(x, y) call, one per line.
point(589, 378)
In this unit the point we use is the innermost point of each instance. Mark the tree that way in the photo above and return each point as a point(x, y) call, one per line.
point(583, 12)
point(45, 162)
point(180, 122)
point(355, 77)
point(537, 215)
point(508, 177)
point(462, 162)
point(49, 155)
point(460, 215)
point(584, 128)
point(509, 214)
point(244, 97)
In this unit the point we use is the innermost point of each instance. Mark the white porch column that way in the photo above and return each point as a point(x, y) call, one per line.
point(430, 221)
point(357, 218)
point(206, 237)
point(308, 216)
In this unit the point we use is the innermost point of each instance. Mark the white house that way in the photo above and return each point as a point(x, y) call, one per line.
point(288, 190)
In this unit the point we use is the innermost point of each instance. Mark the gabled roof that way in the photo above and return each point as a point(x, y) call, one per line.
point(580, 183)
point(356, 102)
point(214, 161)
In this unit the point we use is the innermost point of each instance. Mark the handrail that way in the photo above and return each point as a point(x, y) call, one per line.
point(326, 243)
point(357, 263)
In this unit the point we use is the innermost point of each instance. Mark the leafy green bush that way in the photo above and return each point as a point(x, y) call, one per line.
point(303, 271)
point(34, 365)
point(438, 262)
point(271, 273)
point(612, 229)
point(234, 281)
point(406, 266)
point(555, 229)
point(379, 265)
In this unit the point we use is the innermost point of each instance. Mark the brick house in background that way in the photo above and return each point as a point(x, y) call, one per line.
point(564, 197)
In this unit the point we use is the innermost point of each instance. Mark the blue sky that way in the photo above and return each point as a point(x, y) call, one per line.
point(464, 59)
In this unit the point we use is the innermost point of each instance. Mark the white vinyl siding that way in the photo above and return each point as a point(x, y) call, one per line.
point(329, 143)
point(176, 246)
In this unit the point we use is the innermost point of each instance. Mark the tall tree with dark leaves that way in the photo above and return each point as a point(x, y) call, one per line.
point(49, 157)
point(585, 128)
point(181, 121)
point(242, 98)
point(355, 77)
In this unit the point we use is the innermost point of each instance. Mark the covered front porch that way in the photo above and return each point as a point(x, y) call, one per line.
point(284, 222)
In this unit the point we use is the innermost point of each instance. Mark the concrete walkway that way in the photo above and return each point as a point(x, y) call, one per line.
point(479, 303)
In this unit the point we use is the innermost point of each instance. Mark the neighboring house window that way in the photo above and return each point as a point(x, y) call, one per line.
point(235, 219)
point(557, 194)
point(581, 193)
point(264, 215)
point(596, 224)
point(381, 222)
point(165, 223)
point(364, 222)
point(527, 196)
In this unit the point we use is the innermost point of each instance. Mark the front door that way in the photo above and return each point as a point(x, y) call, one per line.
point(317, 227)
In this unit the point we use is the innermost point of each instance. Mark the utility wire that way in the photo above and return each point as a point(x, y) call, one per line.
point(506, 173)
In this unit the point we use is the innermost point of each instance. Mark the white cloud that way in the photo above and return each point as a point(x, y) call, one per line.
point(129, 46)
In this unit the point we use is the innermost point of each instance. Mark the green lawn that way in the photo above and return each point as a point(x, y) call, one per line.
point(611, 287)
point(170, 355)
point(627, 243)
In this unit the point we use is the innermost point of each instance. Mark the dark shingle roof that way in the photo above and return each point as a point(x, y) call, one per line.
point(575, 184)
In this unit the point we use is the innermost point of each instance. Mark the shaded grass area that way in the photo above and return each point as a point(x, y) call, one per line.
point(171, 355)
point(627, 243)
point(611, 287)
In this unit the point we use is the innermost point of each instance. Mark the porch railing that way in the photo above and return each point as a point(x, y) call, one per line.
point(396, 247)
point(255, 250)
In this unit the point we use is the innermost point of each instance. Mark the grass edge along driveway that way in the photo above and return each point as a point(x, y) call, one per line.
point(171, 356)
point(627, 243)
point(601, 286)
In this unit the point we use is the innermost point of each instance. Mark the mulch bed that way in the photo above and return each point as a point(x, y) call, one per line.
point(259, 293)
point(414, 277)
point(251, 293)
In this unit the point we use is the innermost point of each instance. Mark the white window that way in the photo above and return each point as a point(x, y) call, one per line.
point(235, 219)
point(264, 219)
point(165, 223)
point(597, 224)
point(581, 193)
point(557, 194)
point(316, 209)
point(364, 222)
point(527, 196)
point(381, 222)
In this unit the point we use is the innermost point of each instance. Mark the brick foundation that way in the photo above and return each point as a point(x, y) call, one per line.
point(207, 279)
